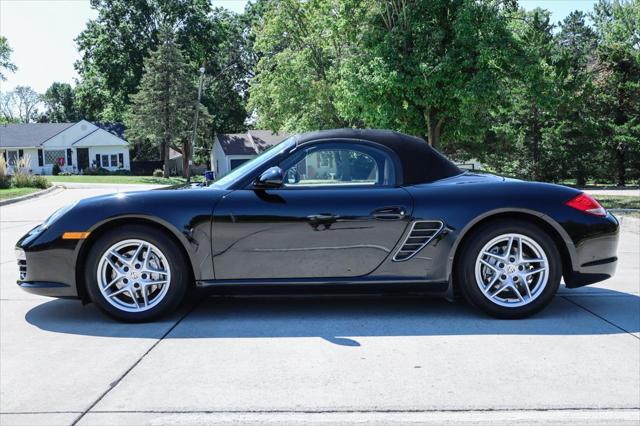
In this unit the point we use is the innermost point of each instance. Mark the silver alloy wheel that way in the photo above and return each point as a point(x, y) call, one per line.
point(512, 270)
point(133, 275)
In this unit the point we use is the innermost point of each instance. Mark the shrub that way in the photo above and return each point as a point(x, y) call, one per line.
point(22, 180)
point(158, 173)
point(40, 182)
point(5, 180)
point(55, 170)
point(95, 171)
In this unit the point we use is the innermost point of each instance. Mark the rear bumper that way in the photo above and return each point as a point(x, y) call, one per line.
point(595, 257)
point(592, 273)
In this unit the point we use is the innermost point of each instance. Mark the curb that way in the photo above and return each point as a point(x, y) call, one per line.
point(624, 210)
point(29, 196)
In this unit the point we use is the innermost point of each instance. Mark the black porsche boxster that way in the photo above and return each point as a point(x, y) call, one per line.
point(340, 210)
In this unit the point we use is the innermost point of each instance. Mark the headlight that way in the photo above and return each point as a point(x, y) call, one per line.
point(57, 215)
point(20, 254)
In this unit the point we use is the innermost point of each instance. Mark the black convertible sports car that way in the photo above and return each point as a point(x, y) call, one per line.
point(339, 210)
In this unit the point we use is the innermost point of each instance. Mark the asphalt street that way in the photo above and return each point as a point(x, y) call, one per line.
point(318, 360)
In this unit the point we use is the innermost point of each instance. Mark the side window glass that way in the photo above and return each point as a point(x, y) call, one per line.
point(335, 165)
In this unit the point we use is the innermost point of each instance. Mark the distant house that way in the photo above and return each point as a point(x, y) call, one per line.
point(232, 149)
point(73, 146)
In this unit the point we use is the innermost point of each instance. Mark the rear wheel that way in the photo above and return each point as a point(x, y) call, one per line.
point(509, 269)
point(135, 273)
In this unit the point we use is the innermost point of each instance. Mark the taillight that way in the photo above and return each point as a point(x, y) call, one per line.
point(587, 204)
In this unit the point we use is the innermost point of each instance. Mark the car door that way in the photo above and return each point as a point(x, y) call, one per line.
point(339, 214)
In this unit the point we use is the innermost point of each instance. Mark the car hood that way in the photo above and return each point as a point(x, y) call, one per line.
point(168, 193)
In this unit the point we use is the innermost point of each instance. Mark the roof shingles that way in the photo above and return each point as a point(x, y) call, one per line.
point(29, 135)
point(251, 143)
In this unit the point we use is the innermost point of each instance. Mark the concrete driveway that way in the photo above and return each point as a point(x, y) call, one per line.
point(320, 360)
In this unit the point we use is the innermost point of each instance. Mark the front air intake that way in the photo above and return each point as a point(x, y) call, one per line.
point(421, 234)
point(22, 268)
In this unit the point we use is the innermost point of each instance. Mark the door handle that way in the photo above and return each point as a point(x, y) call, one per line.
point(389, 213)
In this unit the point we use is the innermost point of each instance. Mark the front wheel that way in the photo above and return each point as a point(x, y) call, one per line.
point(135, 273)
point(510, 269)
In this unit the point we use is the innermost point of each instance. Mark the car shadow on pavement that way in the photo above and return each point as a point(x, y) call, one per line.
point(340, 320)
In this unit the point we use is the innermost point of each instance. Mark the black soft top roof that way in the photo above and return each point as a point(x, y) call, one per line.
point(420, 162)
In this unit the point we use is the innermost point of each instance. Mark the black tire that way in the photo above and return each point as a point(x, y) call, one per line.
point(465, 268)
point(180, 273)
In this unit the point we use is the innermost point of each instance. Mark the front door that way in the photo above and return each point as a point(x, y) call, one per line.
point(83, 158)
point(338, 215)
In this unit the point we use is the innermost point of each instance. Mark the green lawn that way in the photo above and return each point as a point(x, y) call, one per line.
point(618, 201)
point(118, 179)
point(5, 194)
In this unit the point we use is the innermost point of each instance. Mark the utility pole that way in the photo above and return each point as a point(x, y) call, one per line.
point(195, 127)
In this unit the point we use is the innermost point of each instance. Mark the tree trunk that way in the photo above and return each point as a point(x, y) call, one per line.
point(581, 179)
point(620, 157)
point(165, 159)
point(536, 137)
point(185, 158)
point(621, 175)
point(434, 127)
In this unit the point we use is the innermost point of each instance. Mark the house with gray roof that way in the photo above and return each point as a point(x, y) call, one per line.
point(73, 146)
point(232, 149)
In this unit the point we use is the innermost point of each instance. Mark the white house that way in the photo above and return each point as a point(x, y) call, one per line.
point(232, 149)
point(74, 146)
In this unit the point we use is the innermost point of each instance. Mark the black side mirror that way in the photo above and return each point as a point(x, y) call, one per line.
point(273, 177)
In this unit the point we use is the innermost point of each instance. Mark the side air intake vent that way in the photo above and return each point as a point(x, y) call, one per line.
point(421, 234)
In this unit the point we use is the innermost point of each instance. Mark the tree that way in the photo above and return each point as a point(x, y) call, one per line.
point(114, 47)
point(20, 105)
point(27, 101)
point(5, 58)
point(429, 68)
point(59, 100)
point(575, 124)
point(162, 110)
point(420, 66)
point(617, 25)
point(300, 46)
point(523, 119)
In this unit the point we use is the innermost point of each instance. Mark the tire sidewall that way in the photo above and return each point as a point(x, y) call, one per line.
point(477, 241)
point(175, 258)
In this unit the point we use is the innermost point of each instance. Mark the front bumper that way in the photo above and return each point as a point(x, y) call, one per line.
point(50, 289)
point(47, 269)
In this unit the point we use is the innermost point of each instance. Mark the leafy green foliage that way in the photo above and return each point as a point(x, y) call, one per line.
point(60, 102)
point(618, 85)
point(163, 109)
point(5, 58)
point(432, 77)
point(115, 45)
point(301, 46)
point(480, 80)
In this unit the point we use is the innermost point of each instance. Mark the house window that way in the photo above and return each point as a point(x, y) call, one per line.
point(105, 160)
point(12, 158)
point(114, 160)
point(237, 162)
point(54, 156)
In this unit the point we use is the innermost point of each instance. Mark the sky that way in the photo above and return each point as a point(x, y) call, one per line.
point(41, 34)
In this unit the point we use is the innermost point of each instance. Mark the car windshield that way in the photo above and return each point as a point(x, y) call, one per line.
point(238, 173)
